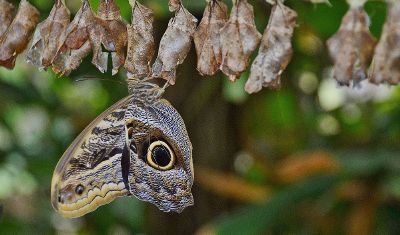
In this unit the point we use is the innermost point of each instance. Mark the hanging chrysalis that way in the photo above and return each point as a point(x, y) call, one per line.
point(46, 39)
point(352, 47)
point(385, 66)
point(206, 38)
point(6, 16)
point(175, 43)
point(141, 45)
point(239, 38)
point(109, 30)
point(74, 44)
point(275, 50)
point(16, 37)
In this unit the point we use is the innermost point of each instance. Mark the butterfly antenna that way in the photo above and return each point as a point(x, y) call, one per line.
point(86, 78)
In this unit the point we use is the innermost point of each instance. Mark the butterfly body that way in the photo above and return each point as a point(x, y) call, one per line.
point(139, 146)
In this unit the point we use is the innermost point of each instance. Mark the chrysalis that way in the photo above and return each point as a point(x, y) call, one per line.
point(17, 36)
point(275, 50)
point(206, 38)
point(75, 44)
point(141, 46)
point(385, 67)
point(239, 38)
point(46, 39)
point(108, 30)
point(175, 43)
point(6, 16)
point(351, 48)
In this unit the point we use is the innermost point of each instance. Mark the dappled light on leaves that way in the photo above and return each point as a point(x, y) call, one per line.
point(108, 30)
point(352, 47)
point(75, 44)
point(46, 39)
point(206, 38)
point(385, 66)
point(239, 38)
point(175, 43)
point(141, 45)
point(16, 37)
point(275, 50)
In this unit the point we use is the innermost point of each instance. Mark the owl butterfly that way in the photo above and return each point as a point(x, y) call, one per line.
point(139, 147)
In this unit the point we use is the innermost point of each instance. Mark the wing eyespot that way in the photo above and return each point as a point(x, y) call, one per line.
point(160, 156)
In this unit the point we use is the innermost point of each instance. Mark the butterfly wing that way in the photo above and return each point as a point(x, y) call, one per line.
point(152, 175)
point(89, 173)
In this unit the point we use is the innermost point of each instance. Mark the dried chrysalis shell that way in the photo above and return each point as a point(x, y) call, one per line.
point(352, 47)
point(6, 16)
point(141, 45)
point(17, 36)
point(275, 50)
point(239, 38)
point(75, 44)
point(385, 67)
point(46, 39)
point(206, 38)
point(110, 31)
point(174, 45)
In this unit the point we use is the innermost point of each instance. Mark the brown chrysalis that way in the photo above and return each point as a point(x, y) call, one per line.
point(239, 38)
point(16, 37)
point(74, 44)
point(206, 38)
point(275, 50)
point(108, 30)
point(175, 43)
point(141, 45)
point(6, 16)
point(352, 47)
point(385, 66)
point(46, 39)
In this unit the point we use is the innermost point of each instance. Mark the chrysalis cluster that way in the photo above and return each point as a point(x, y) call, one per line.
point(15, 33)
point(223, 42)
point(228, 44)
point(90, 33)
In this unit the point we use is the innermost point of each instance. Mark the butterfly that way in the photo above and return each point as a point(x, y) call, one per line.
point(139, 146)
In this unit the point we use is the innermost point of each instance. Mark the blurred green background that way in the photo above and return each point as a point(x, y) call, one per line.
point(311, 158)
